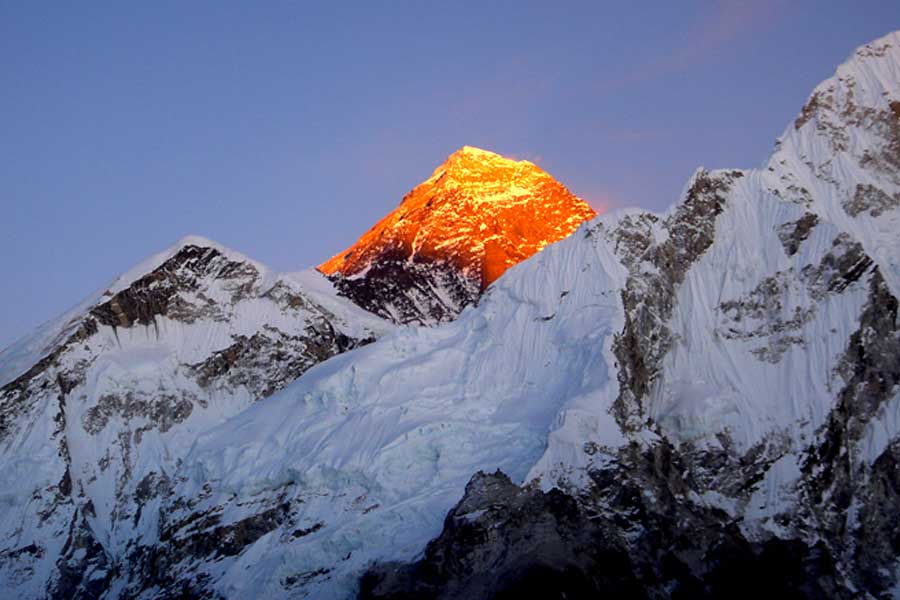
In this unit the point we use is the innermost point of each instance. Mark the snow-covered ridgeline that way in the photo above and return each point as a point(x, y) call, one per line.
point(404, 422)
point(752, 359)
point(102, 404)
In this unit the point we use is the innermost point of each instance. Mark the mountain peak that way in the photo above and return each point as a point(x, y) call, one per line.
point(474, 155)
point(153, 262)
point(477, 215)
point(476, 152)
point(476, 169)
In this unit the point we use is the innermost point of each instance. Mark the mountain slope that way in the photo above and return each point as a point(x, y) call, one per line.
point(758, 381)
point(731, 362)
point(453, 235)
point(700, 403)
point(116, 390)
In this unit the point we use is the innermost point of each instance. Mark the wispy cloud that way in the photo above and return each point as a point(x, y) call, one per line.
point(726, 22)
point(729, 21)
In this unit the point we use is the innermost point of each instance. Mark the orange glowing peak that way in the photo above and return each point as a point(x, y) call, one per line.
point(479, 211)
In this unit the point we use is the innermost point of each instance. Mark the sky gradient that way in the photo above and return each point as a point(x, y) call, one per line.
point(285, 130)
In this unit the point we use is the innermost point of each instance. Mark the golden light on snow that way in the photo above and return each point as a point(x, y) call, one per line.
point(479, 211)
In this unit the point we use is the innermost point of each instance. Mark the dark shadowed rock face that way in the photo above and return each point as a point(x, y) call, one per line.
point(502, 541)
point(837, 482)
point(160, 291)
point(83, 569)
point(879, 528)
point(407, 290)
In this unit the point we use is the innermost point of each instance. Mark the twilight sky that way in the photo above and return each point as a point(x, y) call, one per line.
point(285, 130)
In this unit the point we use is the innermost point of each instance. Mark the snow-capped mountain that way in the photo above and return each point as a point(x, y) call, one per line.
point(740, 434)
point(700, 403)
point(98, 407)
point(453, 235)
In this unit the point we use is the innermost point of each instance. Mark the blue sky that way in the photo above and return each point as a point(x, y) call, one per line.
point(285, 130)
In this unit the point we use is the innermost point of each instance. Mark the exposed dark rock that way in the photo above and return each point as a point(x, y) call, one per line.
point(201, 536)
point(299, 533)
point(835, 478)
point(502, 541)
point(161, 410)
point(655, 272)
point(302, 578)
point(879, 528)
point(270, 359)
point(410, 291)
point(83, 569)
point(870, 199)
point(285, 297)
point(878, 533)
point(844, 264)
point(230, 539)
point(18, 396)
point(728, 472)
point(30, 550)
point(795, 233)
point(885, 157)
point(159, 292)
point(808, 111)
point(760, 316)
